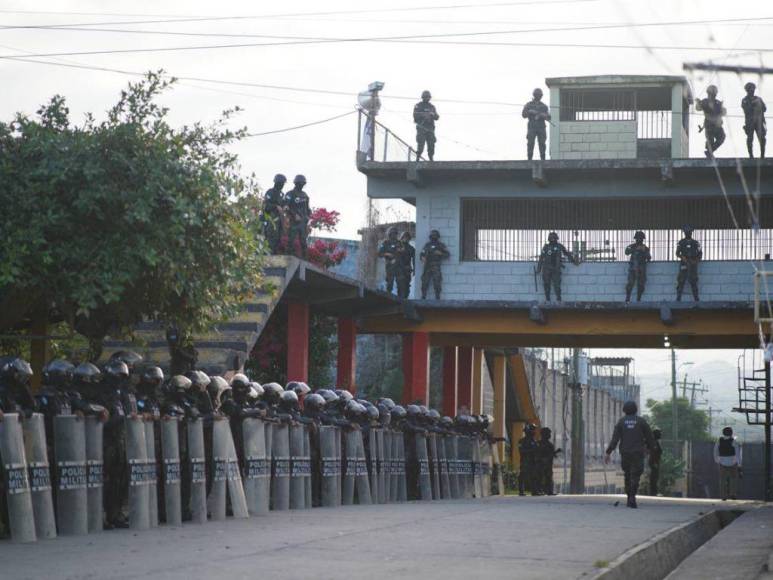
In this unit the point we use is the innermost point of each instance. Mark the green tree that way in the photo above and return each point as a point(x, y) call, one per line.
point(109, 223)
point(693, 424)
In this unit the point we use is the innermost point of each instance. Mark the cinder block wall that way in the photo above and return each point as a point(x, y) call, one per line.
point(597, 140)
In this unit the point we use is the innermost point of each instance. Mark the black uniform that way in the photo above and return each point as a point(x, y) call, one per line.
point(637, 269)
point(537, 113)
point(754, 114)
point(406, 265)
point(712, 124)
point(550, 264)
point(297, 202)
point(528, 449)
point(634, 436)
point(433, 253)
point(425, 115)
point(120, 404)
point(389, 250)
point(546, 452)
point(689, 253)
point(273, 206)
point(656, 453)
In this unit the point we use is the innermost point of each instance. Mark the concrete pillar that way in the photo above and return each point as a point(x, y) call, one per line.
point(415, 367)
point(477, 381)
point(450, 370)
point(347, 351)
point(297, 341)
point(465, 381)
point(500, 376)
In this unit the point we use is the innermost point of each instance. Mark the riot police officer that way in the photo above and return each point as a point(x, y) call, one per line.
point(273, 213)
point(390, 251)
point(637, 266)
point(299, 214)
point(148, 396)
point(527, 446)
point(634, 436)
point(546, 453)
point(690, 254)
point(551, 263)
point(432, 255)
point(537, 113)
point(425, 115)
point(15, 395)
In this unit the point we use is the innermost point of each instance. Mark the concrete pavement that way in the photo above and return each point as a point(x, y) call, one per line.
point(510, 537)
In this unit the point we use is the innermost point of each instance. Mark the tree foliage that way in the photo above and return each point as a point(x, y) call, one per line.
point(693, 424)
point(108, 223)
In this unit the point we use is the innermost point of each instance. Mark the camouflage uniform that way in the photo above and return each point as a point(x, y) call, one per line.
point(754, 112)
point(689, 253)
point(297, 202)
point(550, 265)
point(637, 267)
point(273, 210)
point(432, 255)
point(389, 250)
point(537, 113)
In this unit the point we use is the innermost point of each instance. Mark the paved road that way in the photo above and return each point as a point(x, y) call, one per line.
point(511, 537)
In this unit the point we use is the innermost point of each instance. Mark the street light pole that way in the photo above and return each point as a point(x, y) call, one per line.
point(674, 422)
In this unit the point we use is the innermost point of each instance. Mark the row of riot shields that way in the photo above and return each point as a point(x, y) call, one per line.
point(181, 470)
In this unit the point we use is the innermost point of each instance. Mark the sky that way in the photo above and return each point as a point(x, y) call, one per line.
point(478, 88)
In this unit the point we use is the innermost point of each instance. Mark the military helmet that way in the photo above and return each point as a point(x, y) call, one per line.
point(630, 408)
point(639, 235)
point(387, 402)
point(288, 401)
point(256, 390)
point(117, 369)
point(426, 95)
point(17, 369)
point(87, 373)
point(406, 236)
point(153, 376)
point(199, 379)
point(58, 372)
point(537, 91)
point(545, 432)
point(272, 393)
point(434, 235)
point(240, 382)
point(313, 404)
point(712, 90)
point(131, 358)
point(727, 431)
point(301, 389)
point(552, 237)
point(179, 384)
point(344, 394)
point(749, 86)
point(280, 178)
point(299, 180)
point(392, 232)
point(398, 412)
point(688, 229)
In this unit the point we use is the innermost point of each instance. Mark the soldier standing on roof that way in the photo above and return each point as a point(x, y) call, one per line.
point(425, 115)
point(537, 113)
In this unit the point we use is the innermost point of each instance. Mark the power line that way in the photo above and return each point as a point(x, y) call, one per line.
point(311, 124)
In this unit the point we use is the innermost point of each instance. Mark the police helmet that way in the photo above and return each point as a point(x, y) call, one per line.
point(313, 404)
point(446, 421)
point(384, 414)
point(426, 95)
point(216, 386)
point(329, 396)
point(372, 411)
point(552, 237)
point(87, 373)
point(301, 389)
point(58, 373)
point(131, 358)
point(279, 178)
point(272, 393)
point(398, 412)
point(179, 384)
point(153, 376)
point(17, 370)
point(433, 416)
point(354, 411)
point(413, 411)
point(240, 382)
point(387, 402)
point(343, 394)
point(639, 235)
point(288, 401)
point(434, 235)
point(727, 431)
point(199, 379)
point(256, 391)
point(116, 369)
point(630, 408)
point(299, 180)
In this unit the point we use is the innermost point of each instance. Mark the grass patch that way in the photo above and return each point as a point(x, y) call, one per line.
point(601, 563)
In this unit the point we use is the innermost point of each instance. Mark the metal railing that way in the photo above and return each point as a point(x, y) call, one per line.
point(379, 143)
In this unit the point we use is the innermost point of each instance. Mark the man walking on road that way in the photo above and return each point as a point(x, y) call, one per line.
point(635, 437)
point(727, 454)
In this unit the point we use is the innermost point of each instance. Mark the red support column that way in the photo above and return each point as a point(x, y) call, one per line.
point(347, 349)
point(450, 372)
point(297, 341)
point(415, 367)
point(464, 382)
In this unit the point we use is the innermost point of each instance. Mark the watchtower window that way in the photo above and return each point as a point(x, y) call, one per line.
point(598, 105)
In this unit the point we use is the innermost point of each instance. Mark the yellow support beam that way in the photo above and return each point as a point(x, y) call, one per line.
point(500, 381)
point(477, 381)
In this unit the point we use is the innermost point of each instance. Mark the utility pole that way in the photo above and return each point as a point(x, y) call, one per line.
point(696, 387)
point(674, 418)
point(768, 353)
point(577, 477)
point(711, 412)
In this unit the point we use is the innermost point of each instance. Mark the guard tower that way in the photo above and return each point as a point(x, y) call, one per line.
point(619, 117)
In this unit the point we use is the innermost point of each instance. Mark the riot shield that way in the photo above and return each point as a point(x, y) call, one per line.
point(372, 461)
point(299, 468)
point(257, 467)
point(307, 478)
point(95, 472)
point(139, 476)
point(72, 476)
point(233, 476)
point(386, 465)
point(383, 480)
point(453, 476)
point(477, 468)
point(170, 450)
point(402, 484)
point(39, 476)
point(434, 464)
point(464, 463)
point(21, 518)
point(331, 466)
point(280, 467)
point(362, 483)
point(150, 444)
point(226, 480)
point(349, 467)
point(422, 457)
point(198, 472)
point(445, 482)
